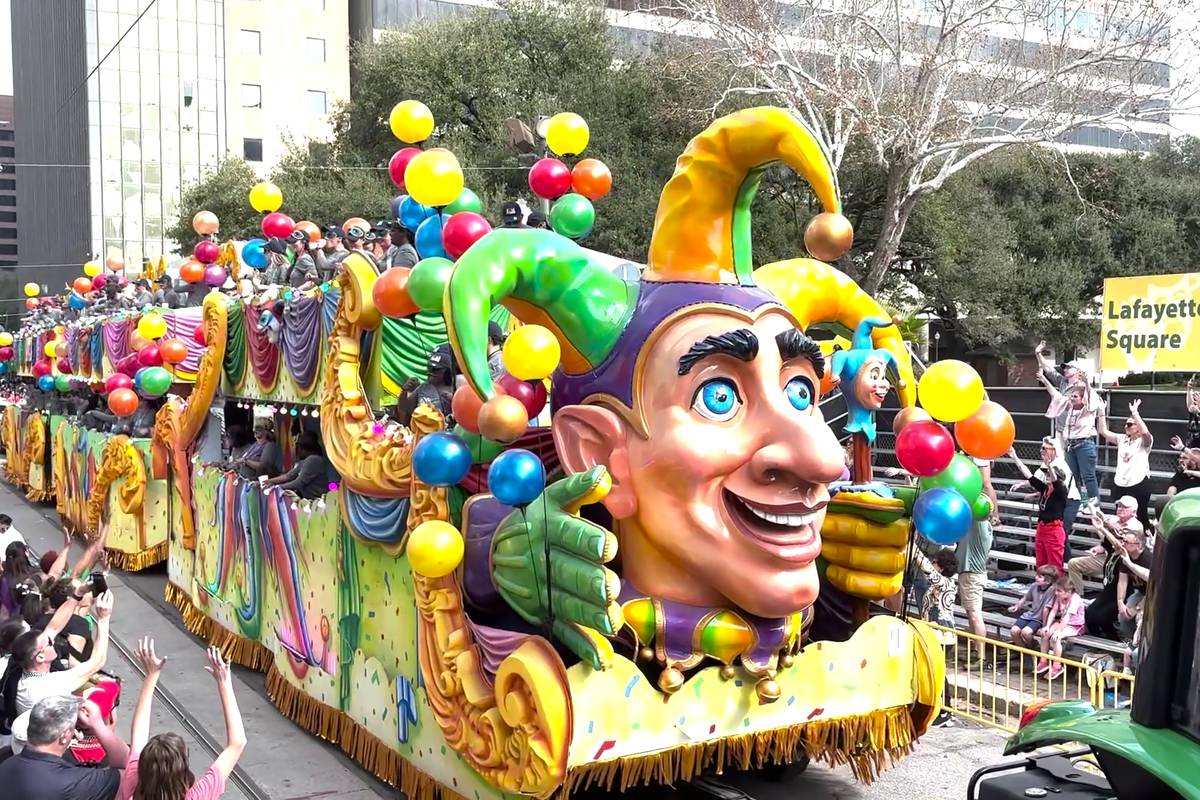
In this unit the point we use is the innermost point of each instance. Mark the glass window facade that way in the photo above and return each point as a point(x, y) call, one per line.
point(251, 95)
point(317, 103)
point(250, 42)
point(252, 149)
point(315, 48)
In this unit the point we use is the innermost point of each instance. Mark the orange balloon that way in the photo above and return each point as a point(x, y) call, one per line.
point(122, 402)
point(191, 271)
point(173, 351)
point(205, 223)
point(465, 406)
point(137, 341)
point(31, 303)
point(60, 349)
point(115, 263)
point(82, 285)
point(988, 433)
point(591, 178)
point(908, 415)
point(503, 419)
point(391, 294)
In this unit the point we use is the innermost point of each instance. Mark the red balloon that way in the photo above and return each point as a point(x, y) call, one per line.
point(207, 252)
point(278, 224)
point(191, 271)
point(149, 356)
point(532, 394)
point(550, 179)
point(129, 365)
point(465, 406)
point(42, 367)
point(6, 353)
point(591, 178)
point(99, 281)
point(173, 351)
point(924, 448)
point(118, 380)
point(391, 294)
point(399, 162)
point(463, 230)
point(122, 402)
point(64, 366)
point(82, 285)
point(198, 336)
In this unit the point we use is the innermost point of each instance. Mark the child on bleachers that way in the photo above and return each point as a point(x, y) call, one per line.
point(1064, 620)
point(943, 586)
point(1032, 607)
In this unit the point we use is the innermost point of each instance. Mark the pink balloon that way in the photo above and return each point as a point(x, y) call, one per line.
point(6, 353)
point(214, 275)
point(129, 365)
point(278, 225)
point(399, 162)
point(550, 179)
point(206, 252)
point(463, 230)
point(149, 356)
point(118, 380)
point(99, 281)
point(924, 448)
point(532, 394)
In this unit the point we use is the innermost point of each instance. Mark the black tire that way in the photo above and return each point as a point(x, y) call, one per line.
point(782, 773)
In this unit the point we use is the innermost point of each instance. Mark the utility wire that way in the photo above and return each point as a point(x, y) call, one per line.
point(111, 50)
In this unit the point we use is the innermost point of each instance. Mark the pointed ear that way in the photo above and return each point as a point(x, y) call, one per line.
point(589, 435)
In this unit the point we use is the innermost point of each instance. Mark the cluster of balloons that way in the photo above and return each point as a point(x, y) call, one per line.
point(950, 483)
point(145, 371)
point(573, 189)
point(432, 177)
point(7, 353)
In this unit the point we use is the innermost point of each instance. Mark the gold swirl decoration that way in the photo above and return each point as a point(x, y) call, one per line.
point(178, 422)
point(58, 461)
point(370, 464)
point(516, 730)
point(120, 459)
point(13, 468)
point(35, 453)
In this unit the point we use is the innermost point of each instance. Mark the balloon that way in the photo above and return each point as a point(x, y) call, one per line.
point(591, 178)
point(906, 415)
point(827, 236)
point(924, 448)
point(516, 478)
point(398, 163)
point(129, 365)
point(155, 381)
point(390, 293)
point(503, 419)
point(118, 380)
point(465, 406)
point(114, 263)
point(50, 349)
point(961, 475)
point(64, 366)
point(173, 351)
point(982, 507)
point(942, 516)
point(192, 271)
point(265, 197)
point(429, 238)
point(532, 394)
point(206, 252)
point(6, 353)
point(550, 179)
point(531, 353)
point(205, 223)
point(76, 301)
point(93, 268)
point(434, 549)
point(567, 134)
point(42, 367)
point(950, 390)
point(466, 201)
point(254, 253)
point(137, 341)
point(150, 356)
point(412, 213)
point(31, 303)
point(82, 285)
point(427, 282)
point(6, 338)
point(411, 121)
point(122, 402)
point(152, 326)
point(395, 205)
point(32, 289)
point(462, 230)
point(572, 216)
point(198, 335)
point(60, 348)
point(988, 433)
point(45, 382)
point(434, 177)
point(62, 383)
point(441, 459)
point(278, 225)
point(99, 282)
point(214, 275)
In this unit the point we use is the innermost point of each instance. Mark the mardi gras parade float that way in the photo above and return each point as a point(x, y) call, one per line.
point(671, 574)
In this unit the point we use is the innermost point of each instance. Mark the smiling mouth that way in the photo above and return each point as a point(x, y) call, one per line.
point(788, 531)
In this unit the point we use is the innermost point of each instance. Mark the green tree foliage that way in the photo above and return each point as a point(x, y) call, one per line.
point(223, 192)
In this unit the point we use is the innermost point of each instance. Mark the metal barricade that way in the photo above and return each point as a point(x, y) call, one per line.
point(1113, 689)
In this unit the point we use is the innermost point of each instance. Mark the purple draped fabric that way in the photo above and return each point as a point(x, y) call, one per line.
point(264, 354)
point(116, 339)
point(494, 645)
point(181, 325)
point(301, 341)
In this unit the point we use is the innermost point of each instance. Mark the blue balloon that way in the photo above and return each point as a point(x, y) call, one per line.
point(254, 253)
point(46, 383)
point(942, 515)
point(412, 213)
point(3, 367)
point(429, 238)
point(396, 201)
point(76, 301)
point(516, 478)
point(441, 459)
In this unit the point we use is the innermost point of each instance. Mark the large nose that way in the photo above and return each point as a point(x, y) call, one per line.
point(798, 451)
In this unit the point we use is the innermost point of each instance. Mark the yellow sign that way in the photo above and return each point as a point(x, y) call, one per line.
point(1151, 323)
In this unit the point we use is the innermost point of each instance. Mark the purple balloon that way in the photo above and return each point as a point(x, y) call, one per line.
point(214, 275)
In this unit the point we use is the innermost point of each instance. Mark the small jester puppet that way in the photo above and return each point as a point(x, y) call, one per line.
point(862, 373)
point(686, 403)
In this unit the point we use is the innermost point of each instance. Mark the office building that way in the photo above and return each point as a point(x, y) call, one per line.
point(9, 297)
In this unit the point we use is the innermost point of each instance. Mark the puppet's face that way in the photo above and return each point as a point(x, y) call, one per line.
point(871, 384)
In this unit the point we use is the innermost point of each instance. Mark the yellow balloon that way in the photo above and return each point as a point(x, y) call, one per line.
point(32, 289)
point(435, 549)
point(950, 390)
point(531, 353)
point(6, 338)
point(434, 178)
point(411, 121)
point(92, 268)
point(152, 326)
point(567, 134)
point(50, 349)
point(265, 197)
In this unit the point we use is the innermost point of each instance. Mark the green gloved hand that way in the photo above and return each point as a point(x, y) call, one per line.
point(582, 591)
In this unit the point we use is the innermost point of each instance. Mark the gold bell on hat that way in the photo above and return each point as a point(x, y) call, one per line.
point(767, 689)
point(670, 680)
point(728, 672)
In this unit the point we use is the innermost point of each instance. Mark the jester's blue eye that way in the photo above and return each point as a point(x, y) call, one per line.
point(799, 393)
point(717, 400)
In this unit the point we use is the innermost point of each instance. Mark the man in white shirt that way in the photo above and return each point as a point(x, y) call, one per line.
point(8, 534)
point(1111, 528)
point(35, 652)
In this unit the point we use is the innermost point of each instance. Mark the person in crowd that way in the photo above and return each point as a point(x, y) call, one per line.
point(308, 477)
point(143, 294)
point(34, 653)
point(972, 552)
point(1085, 417)
point(16, 569)
point(356, 239)
point(496, 339)
point(938, 605)
point(8, 534)
point(402, 253)
point(1188, 447)
point(157, 767)
point(331, 254)
point(276, 271)
point(261, 458)
point(1032, 606)
point(235, 441)
point(1050, 481)
point(40, 771)
point(1120, 580)
point(511, 215)
point(537, 220)
point(1064, 619)
point(75, 633)
point(1112, 529)
point(303, 272)
point(1132, 476)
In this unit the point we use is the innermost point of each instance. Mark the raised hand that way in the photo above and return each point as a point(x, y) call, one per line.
point(1134, 405)
point(1176, 443)
point(103, 606)
point(150, 660)
point(218, 667)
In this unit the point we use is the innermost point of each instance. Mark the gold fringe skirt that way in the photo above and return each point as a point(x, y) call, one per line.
point(238, 649)
point(39, 495)
point(132, 562)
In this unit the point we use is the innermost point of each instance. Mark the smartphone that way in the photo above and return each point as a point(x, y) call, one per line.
point(99, 584)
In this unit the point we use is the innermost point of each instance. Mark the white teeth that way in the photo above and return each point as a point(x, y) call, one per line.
point(787, 520)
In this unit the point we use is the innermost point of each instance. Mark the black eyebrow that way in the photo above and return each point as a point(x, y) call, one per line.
point(794, 344)
point(741, 344)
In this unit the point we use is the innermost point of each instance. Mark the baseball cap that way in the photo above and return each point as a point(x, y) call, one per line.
point(333, 232)
point(20, 732)
point(1127, 501)
point(511, 213)
point(277, 245)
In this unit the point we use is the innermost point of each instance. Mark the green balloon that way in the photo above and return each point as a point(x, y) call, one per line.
point(572, 216)
point(466, 201)
point(427, 282)
point(62, 383)
point(962, 475)
point(155, 381)
point(982, 507)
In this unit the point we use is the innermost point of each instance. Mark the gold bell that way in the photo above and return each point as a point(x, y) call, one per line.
point(646, 653)
point(728, 672)
point(670, 680)
point(787, 660)
point(767, 690)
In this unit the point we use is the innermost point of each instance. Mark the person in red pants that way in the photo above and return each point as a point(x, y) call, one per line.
point(1050, 482)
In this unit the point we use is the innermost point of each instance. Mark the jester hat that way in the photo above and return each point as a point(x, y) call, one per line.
point(700, 255)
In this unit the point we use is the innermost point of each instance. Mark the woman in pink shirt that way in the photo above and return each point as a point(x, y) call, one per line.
point(1064, 619)
point(158, 766)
